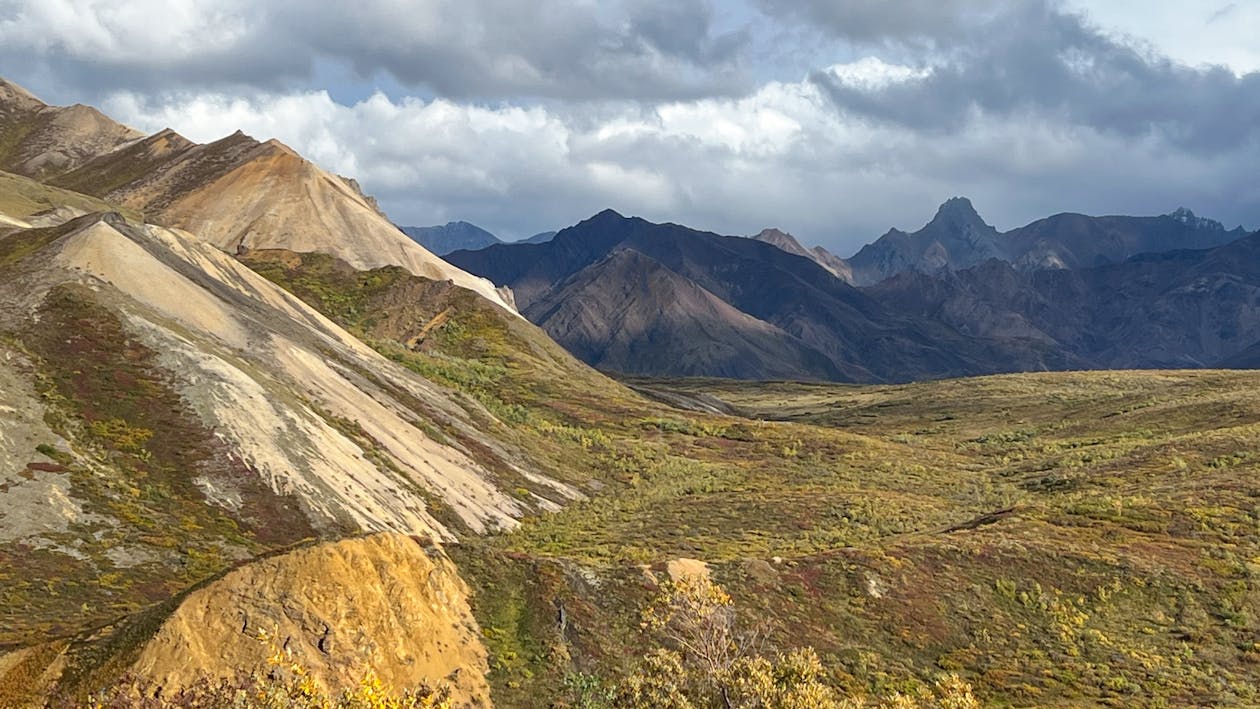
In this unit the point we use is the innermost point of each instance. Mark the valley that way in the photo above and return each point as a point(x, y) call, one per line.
point(248, 425)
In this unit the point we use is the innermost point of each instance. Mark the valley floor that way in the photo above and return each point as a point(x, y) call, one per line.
point(1057, 539)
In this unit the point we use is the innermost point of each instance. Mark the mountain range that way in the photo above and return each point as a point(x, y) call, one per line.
point(833, 330)
point(957, 238)
point(954, 298)
point(456, 236)
point(249, 428)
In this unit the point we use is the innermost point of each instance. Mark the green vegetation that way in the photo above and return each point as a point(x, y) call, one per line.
point(144, 531)
point(21, 197)
point(1052, 539)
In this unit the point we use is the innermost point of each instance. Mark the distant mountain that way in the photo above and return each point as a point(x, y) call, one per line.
point(837, 266)
point(1078, 241)
point(1177, 309)
point(539, 238)
point(451, 236)
point(861, 340)
point(628, 313)
point(955, 238)
point(958, 238)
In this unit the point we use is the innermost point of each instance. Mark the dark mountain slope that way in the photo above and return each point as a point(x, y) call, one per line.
point(1078, 241)
point(788, 291)
point(1174, 309)
point(541, 237)
point(630, 314)
point(958, 238)
point(452, 236)
point(955, 238)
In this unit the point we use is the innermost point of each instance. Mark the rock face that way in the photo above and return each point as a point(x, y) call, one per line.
point(955, 238)
point(385, 603)
point(452, 236)
point(837, 266)
point(1180, 309)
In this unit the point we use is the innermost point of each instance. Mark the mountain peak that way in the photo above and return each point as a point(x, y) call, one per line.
point(13, 95)
point(1190, 219)
point(608, 214)
point(958, 211)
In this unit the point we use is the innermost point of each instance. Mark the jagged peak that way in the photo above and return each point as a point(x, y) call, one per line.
point(1190, 219)
point(169, 133)
point(782, 239)
point(958, 211)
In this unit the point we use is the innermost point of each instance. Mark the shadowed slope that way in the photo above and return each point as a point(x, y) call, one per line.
point(864, 340)
point(630, 314)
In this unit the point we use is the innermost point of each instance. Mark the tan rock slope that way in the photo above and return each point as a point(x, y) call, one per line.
point(835, 265)
point(41, 141)
point(386, 603)
point(235, 192)
point(273, 379)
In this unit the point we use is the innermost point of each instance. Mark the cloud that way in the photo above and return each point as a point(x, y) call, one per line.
point(914, 22)
point(1036, 59)
point(781, 156)
point(568, 49)
point(536, 115)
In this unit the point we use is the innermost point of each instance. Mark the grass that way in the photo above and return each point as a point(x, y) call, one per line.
point(21, 197)
point(1058, 539)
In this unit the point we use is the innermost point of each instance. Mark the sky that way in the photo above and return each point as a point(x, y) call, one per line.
point(831, 119)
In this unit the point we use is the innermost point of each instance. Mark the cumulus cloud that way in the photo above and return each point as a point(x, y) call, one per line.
point(1037, 59)
point(532, 116)
point(571, 49)
point(780, 156)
